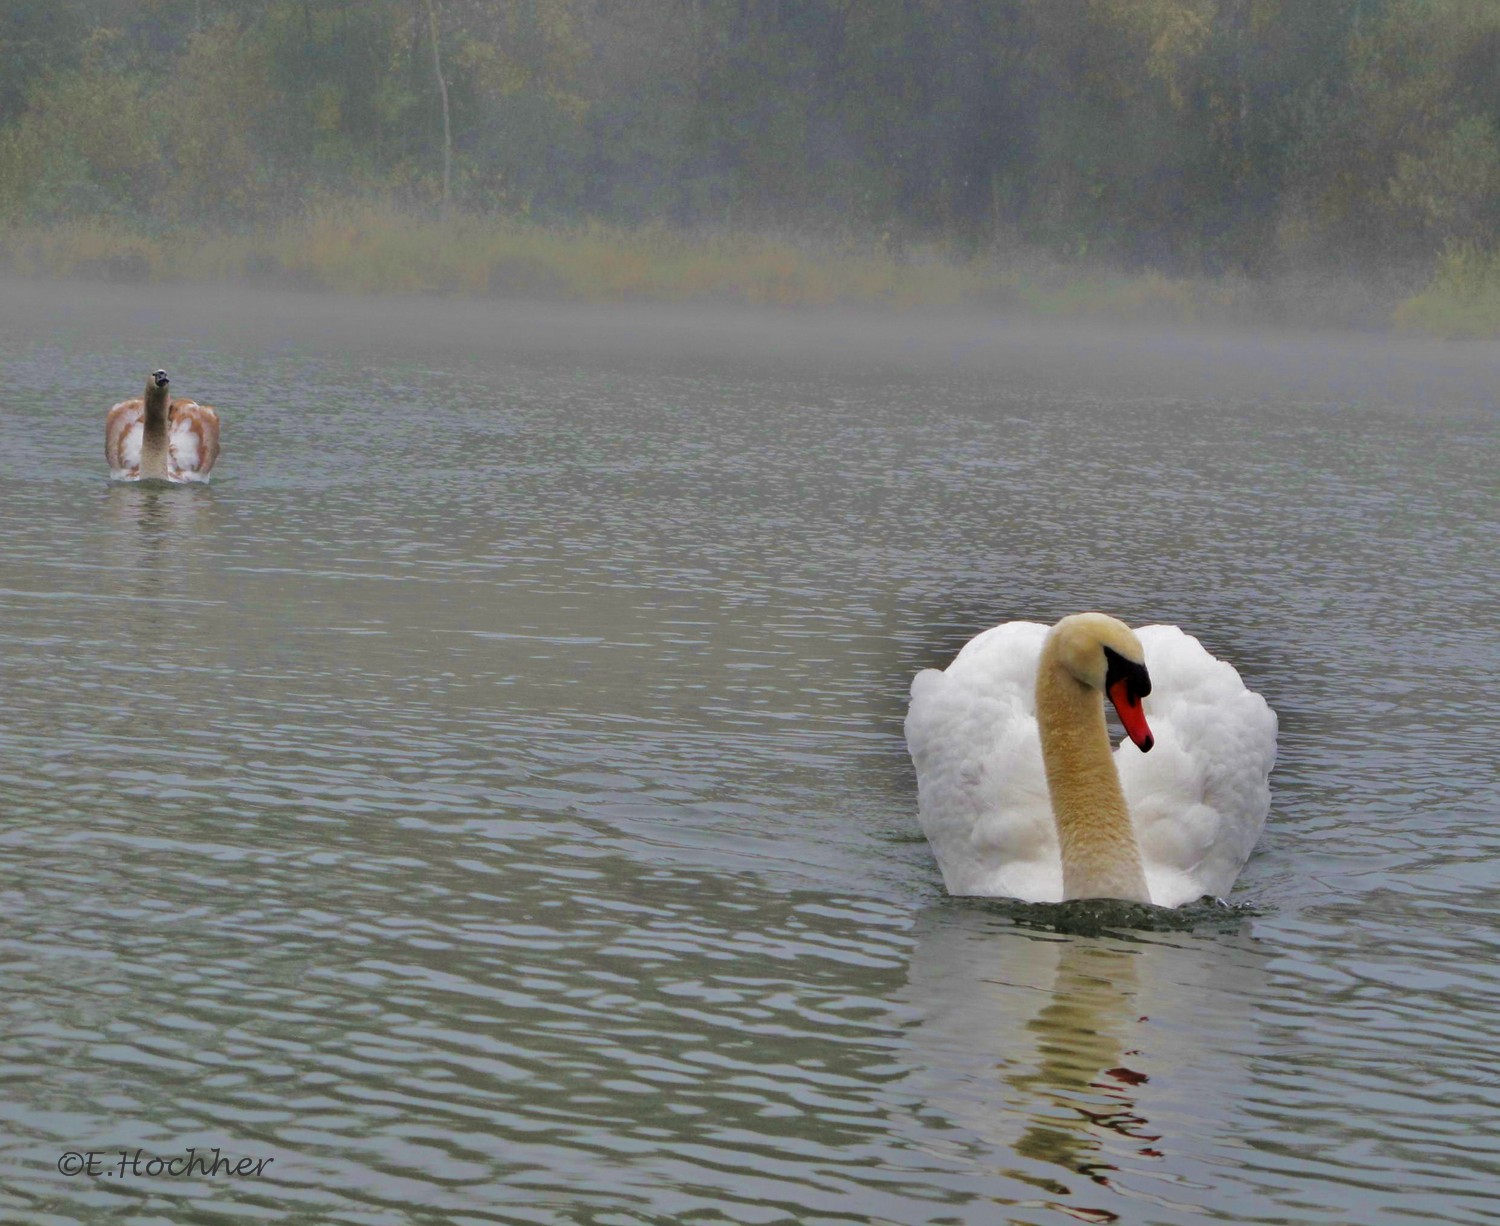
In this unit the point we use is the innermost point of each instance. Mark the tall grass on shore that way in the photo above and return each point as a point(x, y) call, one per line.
point(371, 249)
point(363, 248)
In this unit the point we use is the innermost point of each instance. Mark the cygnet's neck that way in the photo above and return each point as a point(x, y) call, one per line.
point(1100, 857)
point(154, 433)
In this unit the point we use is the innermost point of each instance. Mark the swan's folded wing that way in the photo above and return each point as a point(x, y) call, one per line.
point(1200, 797)
point(122, 438)
point(193, 439)
point(981, 791)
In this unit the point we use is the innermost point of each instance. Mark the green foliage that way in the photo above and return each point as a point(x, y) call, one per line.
point(1452, 188)
point(1463, 299)
point(1187, 137)
point(85, 147)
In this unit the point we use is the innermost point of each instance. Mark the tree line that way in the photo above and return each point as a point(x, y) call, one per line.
point(1190, 136)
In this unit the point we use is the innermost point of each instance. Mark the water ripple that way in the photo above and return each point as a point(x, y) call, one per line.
point(509, 821)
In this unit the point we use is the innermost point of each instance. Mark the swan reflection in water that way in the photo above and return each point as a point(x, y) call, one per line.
point(156, 529)
point(1083, 1082)
point(160, 510)
point(1056, 1050)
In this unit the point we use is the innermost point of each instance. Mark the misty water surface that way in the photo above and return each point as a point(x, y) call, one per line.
point(488, 800)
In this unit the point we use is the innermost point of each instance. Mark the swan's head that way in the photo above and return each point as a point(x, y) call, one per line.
point(1104, 654)
point(159, 378)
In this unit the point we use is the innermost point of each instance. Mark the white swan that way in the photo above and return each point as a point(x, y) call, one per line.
point(1018, 792)
point(151, 437)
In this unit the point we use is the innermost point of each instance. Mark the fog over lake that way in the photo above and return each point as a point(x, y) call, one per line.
point(488, 799)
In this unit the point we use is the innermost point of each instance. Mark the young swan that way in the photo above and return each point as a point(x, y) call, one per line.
point(1085, 657)
point(154, 438)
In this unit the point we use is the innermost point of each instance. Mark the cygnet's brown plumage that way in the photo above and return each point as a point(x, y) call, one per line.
point(153, 437)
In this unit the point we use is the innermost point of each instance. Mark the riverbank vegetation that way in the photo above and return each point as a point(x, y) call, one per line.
point(1176, 158)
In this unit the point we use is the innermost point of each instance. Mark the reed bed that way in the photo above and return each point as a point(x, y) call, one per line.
point(379, 249)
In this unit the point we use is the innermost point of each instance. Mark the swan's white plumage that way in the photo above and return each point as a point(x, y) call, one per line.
point(1197, 801)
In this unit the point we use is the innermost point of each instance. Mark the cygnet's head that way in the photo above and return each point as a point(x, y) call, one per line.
point(1104, 654)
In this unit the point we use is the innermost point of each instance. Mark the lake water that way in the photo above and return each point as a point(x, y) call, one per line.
point(487, 801)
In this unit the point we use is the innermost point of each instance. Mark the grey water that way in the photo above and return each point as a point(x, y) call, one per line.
point(486, 801)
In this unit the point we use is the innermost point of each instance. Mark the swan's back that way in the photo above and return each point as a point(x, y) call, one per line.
point(1199, 799)
point(981, 791)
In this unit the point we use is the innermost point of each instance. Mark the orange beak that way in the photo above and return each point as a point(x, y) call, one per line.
point(1132, 715)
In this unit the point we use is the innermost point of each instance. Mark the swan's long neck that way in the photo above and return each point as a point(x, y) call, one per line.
point(154, 434)
point(1100, 857)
